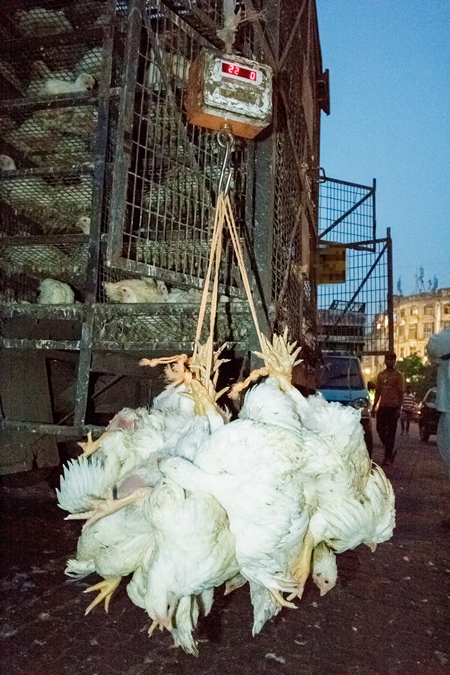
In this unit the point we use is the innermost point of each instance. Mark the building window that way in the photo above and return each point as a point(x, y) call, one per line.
point(403, 312)
point(445, 324)
point(414, 311)
point(428, 310)
point(413, 350)
point(428, 330)
point(401, 332)
point(446, 309)
point(412, 332)
point(402, 352)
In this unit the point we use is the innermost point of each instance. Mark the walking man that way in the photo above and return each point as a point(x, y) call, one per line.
point(408, 407)
point(389, 389)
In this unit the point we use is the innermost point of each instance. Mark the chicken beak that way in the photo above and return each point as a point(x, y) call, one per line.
point(373, 547)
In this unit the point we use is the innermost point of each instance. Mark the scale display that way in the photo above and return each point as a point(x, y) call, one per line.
point(234, 70)
point(228, 89)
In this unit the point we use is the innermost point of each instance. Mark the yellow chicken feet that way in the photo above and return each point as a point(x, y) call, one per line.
point(279, 358)
point(106, 588)
point(90, 446)
point(158, 624)
point(278, 597)
point(302, 566)
point(202, 401)
point(105, 507)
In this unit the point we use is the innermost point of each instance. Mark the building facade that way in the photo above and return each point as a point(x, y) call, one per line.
point(416, 318)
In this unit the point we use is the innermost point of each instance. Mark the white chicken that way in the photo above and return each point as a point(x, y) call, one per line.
point(54, 86)
point(92, 62)
point(113, 547)
point(41, 21)
point(253, 468)
point(193, 552)
point(7, 163)
point(131, 291)
point(350, 499)
point(126, 457)
point(54, 292)
point(84, 224)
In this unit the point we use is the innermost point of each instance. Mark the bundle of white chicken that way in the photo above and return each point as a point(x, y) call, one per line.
point(186, 500)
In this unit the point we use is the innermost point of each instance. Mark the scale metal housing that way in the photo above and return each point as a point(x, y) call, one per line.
point(225, 89)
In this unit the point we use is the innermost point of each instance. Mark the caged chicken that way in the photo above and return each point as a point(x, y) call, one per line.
point(132, 291)
point(7, 163)
point(55, 86)
point(54, 292)
point(41, 21)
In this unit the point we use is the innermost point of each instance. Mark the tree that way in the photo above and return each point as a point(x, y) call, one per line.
point(420, 375)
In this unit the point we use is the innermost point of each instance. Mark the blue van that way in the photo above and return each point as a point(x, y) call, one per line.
point(340, 379)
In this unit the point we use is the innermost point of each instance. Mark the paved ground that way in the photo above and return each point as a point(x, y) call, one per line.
point(388, 614)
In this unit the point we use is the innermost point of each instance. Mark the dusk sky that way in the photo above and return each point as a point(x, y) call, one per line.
point(389, 63)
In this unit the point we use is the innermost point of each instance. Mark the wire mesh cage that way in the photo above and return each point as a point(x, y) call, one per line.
point(161, 224)
point(355, 314)
point(56, 62)
point(296, 186)
point(108, 193)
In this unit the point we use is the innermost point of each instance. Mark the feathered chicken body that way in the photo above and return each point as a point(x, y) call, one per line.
point(254, 471)
point(193, 552)
point(127, 455)
point(54, 292)
point(136, 291)
point(267, 498)
point(54, 86)
point(113, 547)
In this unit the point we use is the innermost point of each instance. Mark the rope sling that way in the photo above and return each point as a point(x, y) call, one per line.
point(204, 361)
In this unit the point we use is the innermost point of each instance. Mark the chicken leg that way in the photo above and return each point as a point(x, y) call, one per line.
point(277, 596)
point(154, 625)
point(90, 446)
point(302, 566)
point(106, 588)
point(105, 507)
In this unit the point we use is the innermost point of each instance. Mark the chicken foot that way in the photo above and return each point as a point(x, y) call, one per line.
point(106, 589)
point(157, 624)
point(278, 597)
point(302, 566)
point(105, 507)
point(90, 446)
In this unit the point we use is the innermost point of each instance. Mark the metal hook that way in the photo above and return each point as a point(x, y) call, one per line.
point(226, 140)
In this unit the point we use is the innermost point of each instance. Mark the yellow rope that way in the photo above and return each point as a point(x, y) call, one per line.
point(240, 386)
point(223, 214)
point(240, 258)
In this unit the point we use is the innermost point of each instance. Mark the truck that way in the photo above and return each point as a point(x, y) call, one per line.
point(339, 375)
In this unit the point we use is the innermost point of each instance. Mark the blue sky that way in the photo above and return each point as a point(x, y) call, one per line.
point(389, 63)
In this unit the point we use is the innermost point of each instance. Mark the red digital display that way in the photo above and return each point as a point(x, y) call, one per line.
point(238, 71)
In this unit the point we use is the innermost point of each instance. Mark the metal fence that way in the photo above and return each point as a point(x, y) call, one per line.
point(357, 313)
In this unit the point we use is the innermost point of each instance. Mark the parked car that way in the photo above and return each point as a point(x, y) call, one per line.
point(428, 415)
point(340, 379)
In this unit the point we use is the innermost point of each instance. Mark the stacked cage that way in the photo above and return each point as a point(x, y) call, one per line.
point(108, 194)
point(355, 314)
point(60, 65)
point(54, 68)
point(162, 194)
